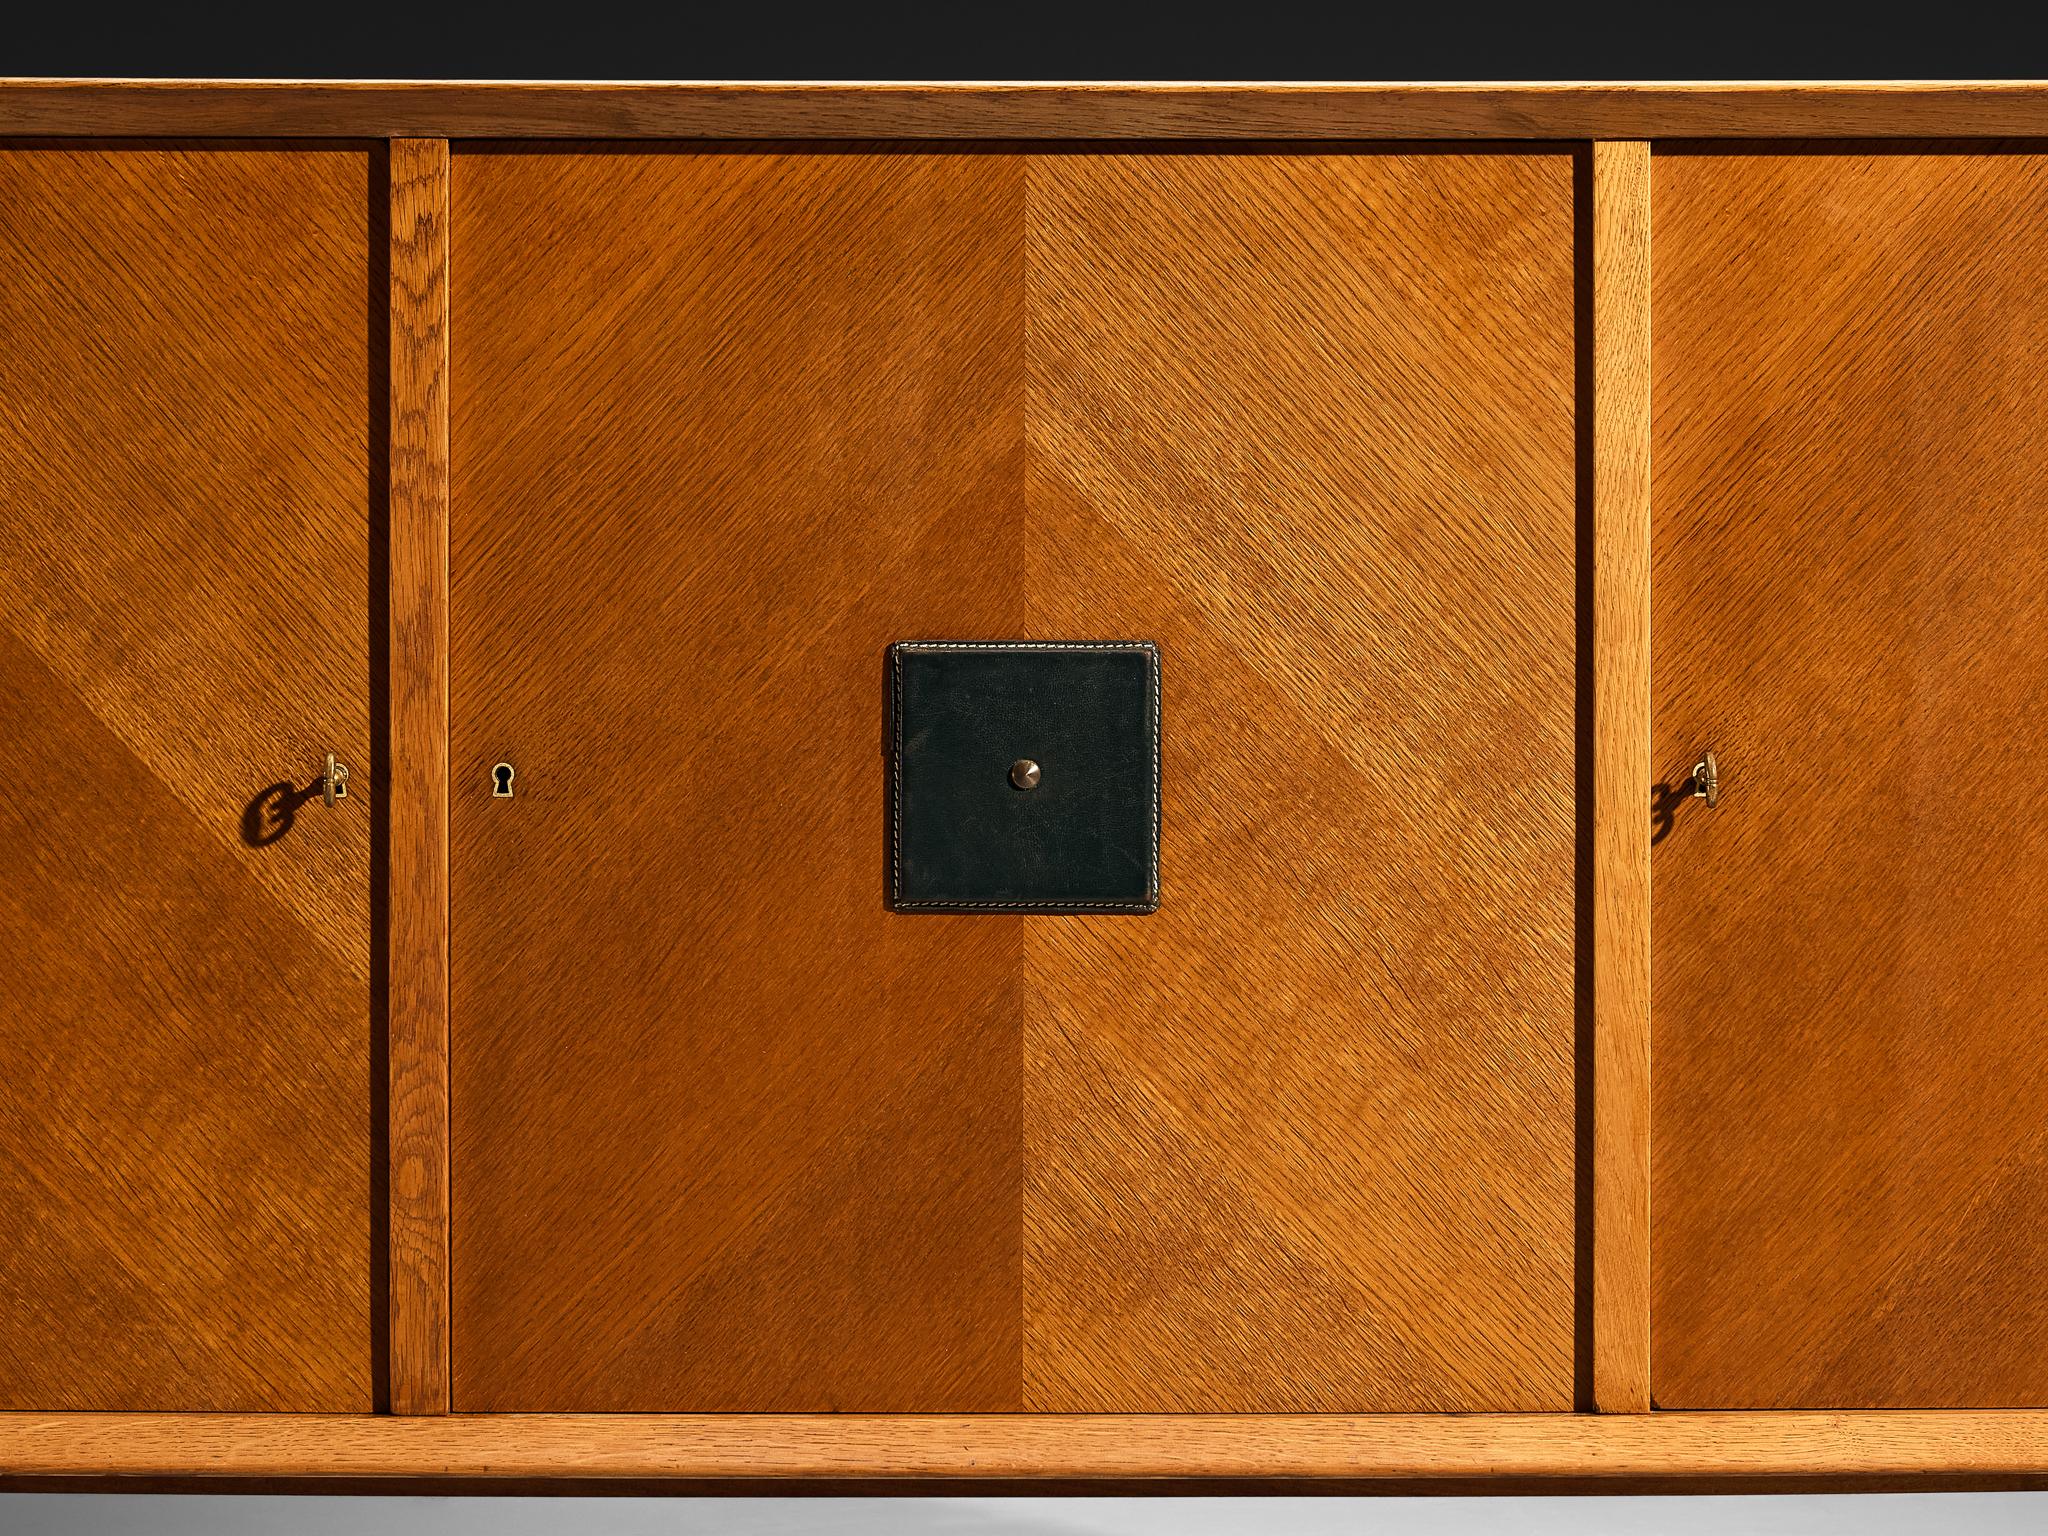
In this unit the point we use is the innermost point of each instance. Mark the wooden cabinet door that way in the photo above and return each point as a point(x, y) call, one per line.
point(1850, 1198)
point(730, 1134)
point(189, 477)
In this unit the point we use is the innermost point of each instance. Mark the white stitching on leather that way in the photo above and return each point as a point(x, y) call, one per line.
point(896, 654)
point(896, 777)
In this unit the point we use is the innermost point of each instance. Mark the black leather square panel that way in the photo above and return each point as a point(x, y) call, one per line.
point(1025, 776)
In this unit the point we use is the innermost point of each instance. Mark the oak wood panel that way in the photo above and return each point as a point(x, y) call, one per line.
point(1302, 1140)
point(711, 110)
point(1851, 434)
point(418, 1050)
point(1608, 1448)
point(727, 1132)
point(1621, 775)
point(725, 1135)
point(187, 477)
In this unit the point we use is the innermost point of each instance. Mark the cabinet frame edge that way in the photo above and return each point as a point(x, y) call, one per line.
point(1606, 1450)
point(762, 110)
point(1620, 671)
point(418, 894)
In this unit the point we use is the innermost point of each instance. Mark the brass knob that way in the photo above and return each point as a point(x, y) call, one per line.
point(1024, 773)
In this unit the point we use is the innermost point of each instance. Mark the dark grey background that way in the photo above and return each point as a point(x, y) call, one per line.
point(1103, 41)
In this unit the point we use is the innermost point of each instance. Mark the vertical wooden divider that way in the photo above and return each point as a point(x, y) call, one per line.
point(419, 777)
point(1621, 776)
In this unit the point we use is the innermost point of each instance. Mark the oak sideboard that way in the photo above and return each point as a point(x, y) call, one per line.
point(1099, 785)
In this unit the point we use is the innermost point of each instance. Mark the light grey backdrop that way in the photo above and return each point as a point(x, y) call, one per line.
point(1980, 1514)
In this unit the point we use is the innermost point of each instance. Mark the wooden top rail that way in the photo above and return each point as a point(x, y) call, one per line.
point(518, 109)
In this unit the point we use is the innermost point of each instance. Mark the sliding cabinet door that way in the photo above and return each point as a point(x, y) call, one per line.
point(732, 1133)
point(1851, 609)
point(190, 480)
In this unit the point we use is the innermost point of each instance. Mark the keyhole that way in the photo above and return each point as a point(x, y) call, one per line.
point(501, 782)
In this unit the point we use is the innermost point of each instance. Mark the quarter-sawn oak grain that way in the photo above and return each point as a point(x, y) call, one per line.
point(1621, 770)
point(740, 110)
point(418, 1049)
point(186, 478)
point(729, 1134)
point(1851, 608)
point(1870, 1190)
point(1615, 1450)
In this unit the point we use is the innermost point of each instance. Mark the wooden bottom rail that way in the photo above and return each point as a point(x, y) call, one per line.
point(720, 1446)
